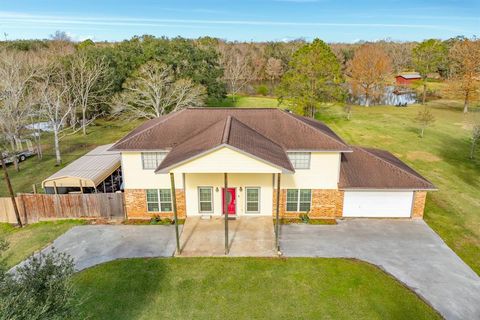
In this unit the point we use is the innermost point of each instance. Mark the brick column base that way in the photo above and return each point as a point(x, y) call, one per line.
point(418, 208)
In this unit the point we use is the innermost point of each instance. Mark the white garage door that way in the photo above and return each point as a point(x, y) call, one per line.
point(377, 204)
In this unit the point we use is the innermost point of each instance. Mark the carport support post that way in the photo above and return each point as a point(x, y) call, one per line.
point(277, 214)
point(225, 210)
point(174, 203)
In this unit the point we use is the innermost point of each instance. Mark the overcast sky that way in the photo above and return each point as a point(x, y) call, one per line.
point(259, 20)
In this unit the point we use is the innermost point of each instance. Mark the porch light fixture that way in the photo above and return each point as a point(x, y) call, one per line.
point(216, 189)
point(241, 189)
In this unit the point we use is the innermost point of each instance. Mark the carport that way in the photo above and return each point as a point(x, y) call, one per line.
point(97, 171)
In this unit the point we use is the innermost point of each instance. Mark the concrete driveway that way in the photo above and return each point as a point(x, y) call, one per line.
point(92, 245)
point(407, 249)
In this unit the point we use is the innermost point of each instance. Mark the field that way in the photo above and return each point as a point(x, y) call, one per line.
point(245, 288)
point(442, 156)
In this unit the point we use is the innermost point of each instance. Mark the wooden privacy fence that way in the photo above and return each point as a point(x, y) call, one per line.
point(37, 207)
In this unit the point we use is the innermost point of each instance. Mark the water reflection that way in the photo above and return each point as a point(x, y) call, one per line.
point(393, 96)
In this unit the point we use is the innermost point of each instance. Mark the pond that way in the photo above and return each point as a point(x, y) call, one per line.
point(40, 126)
point(392, 96)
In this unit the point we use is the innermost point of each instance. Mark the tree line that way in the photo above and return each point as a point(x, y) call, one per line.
point(71, 84)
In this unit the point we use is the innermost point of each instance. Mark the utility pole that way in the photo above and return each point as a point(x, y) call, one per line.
point(10, 190)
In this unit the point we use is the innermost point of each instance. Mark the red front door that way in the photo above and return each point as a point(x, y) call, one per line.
point(231, 201)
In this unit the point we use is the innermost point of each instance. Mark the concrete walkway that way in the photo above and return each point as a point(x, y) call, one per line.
point(92, 245)
point(248, 236)
point(409, 250)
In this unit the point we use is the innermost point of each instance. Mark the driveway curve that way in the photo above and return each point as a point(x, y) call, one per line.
point(95, 244)
point(407, 249)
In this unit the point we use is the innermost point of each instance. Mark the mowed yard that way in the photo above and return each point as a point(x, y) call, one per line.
point(246, 288)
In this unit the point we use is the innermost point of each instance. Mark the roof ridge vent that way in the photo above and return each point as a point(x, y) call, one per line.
point(226, 130)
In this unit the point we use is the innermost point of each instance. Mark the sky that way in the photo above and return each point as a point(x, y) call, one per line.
point(242, 20)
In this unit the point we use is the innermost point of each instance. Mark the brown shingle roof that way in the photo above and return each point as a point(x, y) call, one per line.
point(368, 168)
point(228, 132)
point(288, 131)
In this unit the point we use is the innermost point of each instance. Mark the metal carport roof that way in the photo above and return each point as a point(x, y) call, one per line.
point(87, 171)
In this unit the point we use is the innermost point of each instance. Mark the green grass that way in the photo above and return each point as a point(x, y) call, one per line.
point(246, 288)
point(72, 146)
point(245, 102)
point(25, 241)
point(441, 156)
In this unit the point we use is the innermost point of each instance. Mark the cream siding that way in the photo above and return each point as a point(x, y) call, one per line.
point(226, 160)
point(243, 170)
point(135, 177)
point(323, 173)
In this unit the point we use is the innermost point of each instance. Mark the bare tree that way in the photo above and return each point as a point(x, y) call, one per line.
point(274, 69)
point(348, 111)
point(425, 118)
point(465, 55)
point(88, 84)
point(239, 69)
point(57, 102)
point(473, 121)
point(17, 75)
point(153, 91)
point(369, 70)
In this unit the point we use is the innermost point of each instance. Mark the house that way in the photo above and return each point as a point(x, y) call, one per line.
point(259, 154)
point(407, 78)
point(97, 171)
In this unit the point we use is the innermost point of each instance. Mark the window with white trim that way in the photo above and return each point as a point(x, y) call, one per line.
point(299, 200)
point(151, 160)
point(205, 199)
point(252, 198)
point(300, 160)
point(159, 200)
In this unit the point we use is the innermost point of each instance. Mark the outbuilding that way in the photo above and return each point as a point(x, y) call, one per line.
point(97, 171)
point(407, 78)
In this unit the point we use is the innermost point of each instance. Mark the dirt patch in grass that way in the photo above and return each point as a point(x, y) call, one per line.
point(422, 155)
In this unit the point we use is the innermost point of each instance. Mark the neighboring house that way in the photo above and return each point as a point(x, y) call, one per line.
point(407, 78)
point(320, 173)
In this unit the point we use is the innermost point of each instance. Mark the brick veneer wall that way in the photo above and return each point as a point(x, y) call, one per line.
point(326, 203)
point(136, 204)
point(419, 198)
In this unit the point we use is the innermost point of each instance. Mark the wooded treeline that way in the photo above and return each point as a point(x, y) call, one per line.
point(70, 84)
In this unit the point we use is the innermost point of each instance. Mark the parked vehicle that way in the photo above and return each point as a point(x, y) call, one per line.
point(21, 156)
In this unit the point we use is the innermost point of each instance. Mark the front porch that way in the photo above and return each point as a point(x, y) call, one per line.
point(248, 236)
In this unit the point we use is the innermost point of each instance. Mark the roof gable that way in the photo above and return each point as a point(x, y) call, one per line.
point(227, 133)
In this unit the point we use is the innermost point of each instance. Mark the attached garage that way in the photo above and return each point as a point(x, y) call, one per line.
point(377, 184)
point(378, 204)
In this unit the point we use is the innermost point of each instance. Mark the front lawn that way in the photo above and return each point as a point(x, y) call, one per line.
point(246, 288)
point(25, 241)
